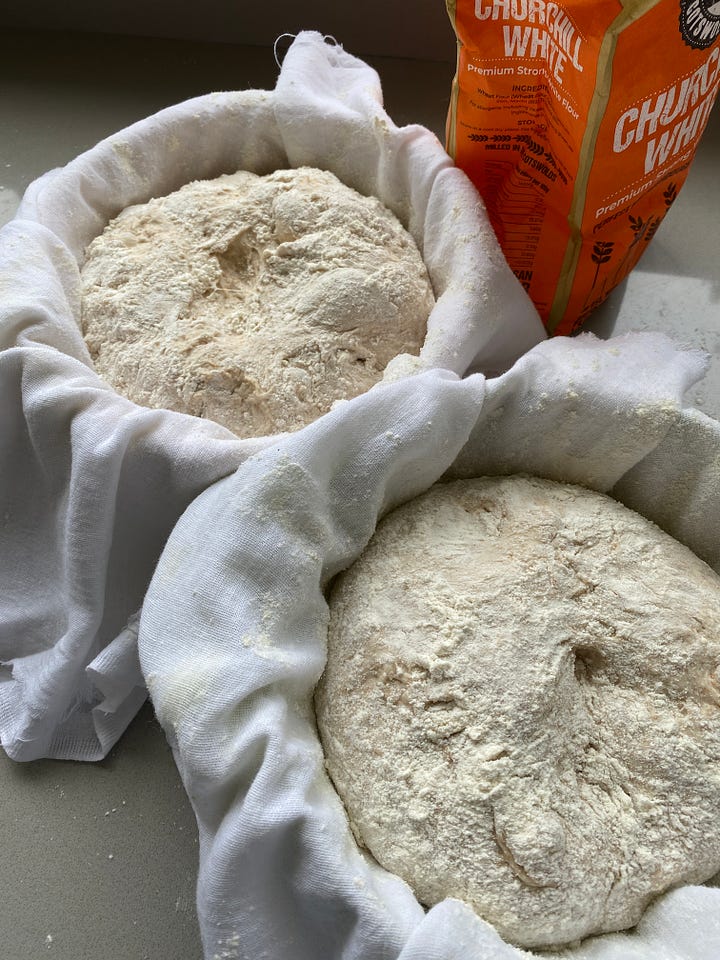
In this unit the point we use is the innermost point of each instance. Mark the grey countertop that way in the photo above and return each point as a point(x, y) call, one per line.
point(99, 860)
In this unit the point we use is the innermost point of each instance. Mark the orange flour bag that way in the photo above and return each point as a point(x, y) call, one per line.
point(577, 121)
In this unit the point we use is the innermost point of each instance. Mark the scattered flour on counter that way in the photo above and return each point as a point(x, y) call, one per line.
point(253, 301)
point(520, 706)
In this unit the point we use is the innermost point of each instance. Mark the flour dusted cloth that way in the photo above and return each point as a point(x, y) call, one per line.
point(91, 485)
point(232, 635)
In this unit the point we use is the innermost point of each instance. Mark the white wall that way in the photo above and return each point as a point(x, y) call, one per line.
point(400, 28)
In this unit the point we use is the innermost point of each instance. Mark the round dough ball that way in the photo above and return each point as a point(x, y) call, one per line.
point(253, 301)
point(521, 706)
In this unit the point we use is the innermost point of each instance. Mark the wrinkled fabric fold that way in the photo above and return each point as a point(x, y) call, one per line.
point(91, 486)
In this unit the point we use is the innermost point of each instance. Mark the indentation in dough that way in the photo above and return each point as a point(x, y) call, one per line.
point(588, 662)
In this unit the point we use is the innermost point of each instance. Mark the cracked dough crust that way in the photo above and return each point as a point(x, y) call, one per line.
point(520, 707)
point(253, 301)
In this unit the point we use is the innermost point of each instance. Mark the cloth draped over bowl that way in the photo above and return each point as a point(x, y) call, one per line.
point(91, 484)
point(233, 632)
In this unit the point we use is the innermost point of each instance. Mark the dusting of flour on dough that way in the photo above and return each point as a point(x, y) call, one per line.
point(253, 301)
point(521, 706)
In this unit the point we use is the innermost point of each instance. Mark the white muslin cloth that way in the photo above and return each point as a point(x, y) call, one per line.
point(232, 636)
point(91, 484)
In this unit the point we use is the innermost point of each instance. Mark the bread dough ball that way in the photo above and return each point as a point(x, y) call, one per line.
point(254, 301)
point(521, 706)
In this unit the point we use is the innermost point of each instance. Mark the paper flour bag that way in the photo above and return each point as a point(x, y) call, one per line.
point(578, 122)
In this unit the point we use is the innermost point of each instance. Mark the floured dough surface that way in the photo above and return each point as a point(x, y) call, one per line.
point(521, 706)
point(254, 301)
